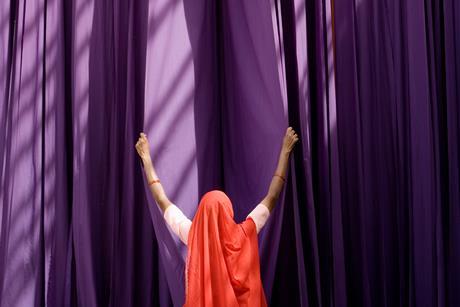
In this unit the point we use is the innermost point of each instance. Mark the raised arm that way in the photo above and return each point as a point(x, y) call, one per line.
point(276, 185)
point(143, 149)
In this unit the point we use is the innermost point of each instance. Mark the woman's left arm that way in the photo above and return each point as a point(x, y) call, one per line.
point(279, 178)
point(262, 211)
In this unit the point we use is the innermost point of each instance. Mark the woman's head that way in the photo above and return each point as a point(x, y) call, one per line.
point(214, 201)
point(223, 259)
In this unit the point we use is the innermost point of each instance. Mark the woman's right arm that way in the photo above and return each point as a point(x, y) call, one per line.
point(158, 193)
point(174, 217)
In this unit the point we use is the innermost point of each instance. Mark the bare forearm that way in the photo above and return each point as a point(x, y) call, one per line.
point(143, 149)
point(278, 180)
point(156, 188)
point(277, 183)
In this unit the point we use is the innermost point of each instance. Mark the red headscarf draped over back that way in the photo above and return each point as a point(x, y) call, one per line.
point(223, 258)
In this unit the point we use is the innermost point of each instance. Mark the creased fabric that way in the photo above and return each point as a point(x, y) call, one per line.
point(370, 212)
point(223, 257)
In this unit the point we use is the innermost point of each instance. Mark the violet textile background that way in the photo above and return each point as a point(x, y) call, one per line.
point(370, 215)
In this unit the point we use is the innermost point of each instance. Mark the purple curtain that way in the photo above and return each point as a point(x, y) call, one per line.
point(370, 215)
point(397, 74)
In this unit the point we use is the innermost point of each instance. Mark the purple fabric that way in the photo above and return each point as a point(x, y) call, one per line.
point(370, 215)
point(398, 133)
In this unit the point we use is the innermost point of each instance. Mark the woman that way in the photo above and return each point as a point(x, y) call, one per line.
point(223, 259)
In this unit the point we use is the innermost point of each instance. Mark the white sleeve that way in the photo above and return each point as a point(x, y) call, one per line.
point(178, 222)
point(260, 215)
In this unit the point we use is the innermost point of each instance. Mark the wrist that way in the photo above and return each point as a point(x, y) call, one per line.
point(147, 161)
point(148, 168)
point(285, 153)
point(150, 175)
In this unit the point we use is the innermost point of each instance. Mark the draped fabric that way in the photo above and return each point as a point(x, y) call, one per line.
point(80, 80)
point(223, 257)
point(370, 215)
point(398, 136)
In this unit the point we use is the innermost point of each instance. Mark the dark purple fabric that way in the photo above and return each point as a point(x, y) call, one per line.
point(398, 133)
point(370, 215)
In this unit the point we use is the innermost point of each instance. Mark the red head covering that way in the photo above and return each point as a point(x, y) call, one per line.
point(223, 258)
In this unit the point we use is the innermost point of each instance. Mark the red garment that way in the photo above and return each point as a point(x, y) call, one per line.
point(223, 257)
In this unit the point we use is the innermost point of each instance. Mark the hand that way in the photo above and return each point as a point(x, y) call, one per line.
point(290, 138)
point(143, 148)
